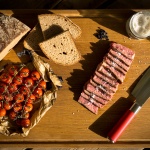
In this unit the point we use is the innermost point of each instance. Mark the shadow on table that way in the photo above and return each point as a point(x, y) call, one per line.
point(108, 119)
point(89, 63)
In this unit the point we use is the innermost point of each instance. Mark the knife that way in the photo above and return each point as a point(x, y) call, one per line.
point(141, 92)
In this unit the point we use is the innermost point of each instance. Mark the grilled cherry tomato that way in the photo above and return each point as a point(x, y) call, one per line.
point(31, 99)
point(38, 92)
point(28, 82)
point(19, 98)
point(25, 123)
point(35, 75)
point(17, 107)
point(6, 78)
point(42, 84)
point(12, 69)
point(8, 97)
point(2, 112)
point(12, 87)
point(3, 87)
point(7, 105)
point(24, 90)
point(24, 72)
point(13, 115)
point(28, 107)
point(18, 80)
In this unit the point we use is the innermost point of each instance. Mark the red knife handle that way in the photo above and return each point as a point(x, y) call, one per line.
point(121, 125)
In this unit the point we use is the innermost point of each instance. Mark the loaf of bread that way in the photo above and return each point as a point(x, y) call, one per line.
point(33, 39)
point(61, 49)
point(52, 24)
point(11, 31)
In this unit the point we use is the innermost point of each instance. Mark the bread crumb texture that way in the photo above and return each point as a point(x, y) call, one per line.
point(10, 28)
point(52, 25)
point(61, 49)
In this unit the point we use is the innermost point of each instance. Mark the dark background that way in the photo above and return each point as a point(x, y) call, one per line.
point(74, 4)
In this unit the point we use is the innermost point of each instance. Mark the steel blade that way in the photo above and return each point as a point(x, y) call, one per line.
point(142, 90)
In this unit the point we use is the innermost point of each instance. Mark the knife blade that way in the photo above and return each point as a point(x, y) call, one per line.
point(141, 92)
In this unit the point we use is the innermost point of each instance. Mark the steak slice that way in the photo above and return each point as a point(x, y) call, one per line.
point(114, 64)
point(97, 91)
point(122, 58)
point(105, 71)
point(123, 50)
point(91, 99)
point(118, 62)
point(100, 74)
point(100, 86)
point(105, 84)
point(90, 106)
point(98, 99)
point(119, 76)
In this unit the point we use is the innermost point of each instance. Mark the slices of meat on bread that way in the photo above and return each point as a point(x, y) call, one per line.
point(32, 40)
point(61, 49)
point(52, 24)
point(11, 32)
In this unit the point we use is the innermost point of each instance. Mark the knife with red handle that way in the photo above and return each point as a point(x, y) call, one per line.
point(141, 92)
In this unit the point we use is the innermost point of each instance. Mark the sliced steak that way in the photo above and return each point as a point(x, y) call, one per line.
point(105, 71)
point(122, 58)
point(112, 63)
point(97, 91)
point(88, 104)
point(104, 83)
point(112, 82)
point(118, 62)
point(101, 87)
point(123, 50)
point(119, 76)
point(98, 99)
point(91, 99)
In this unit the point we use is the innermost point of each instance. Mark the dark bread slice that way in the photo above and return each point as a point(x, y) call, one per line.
point(11, 32)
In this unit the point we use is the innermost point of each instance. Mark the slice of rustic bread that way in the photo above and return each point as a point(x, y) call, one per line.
point(33, 39)
point(11, 31)
point(52, 24)
point(61, 49)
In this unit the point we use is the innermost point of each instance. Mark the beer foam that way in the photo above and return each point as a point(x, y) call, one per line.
point(141, 24)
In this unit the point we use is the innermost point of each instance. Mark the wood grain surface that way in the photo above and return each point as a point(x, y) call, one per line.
point(68, 123)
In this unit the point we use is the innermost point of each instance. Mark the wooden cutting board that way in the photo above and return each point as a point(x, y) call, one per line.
point(68, 123)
